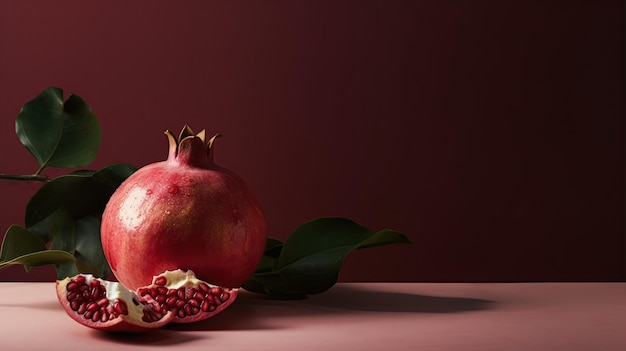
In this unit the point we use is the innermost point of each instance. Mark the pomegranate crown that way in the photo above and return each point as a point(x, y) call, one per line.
point(189, 148)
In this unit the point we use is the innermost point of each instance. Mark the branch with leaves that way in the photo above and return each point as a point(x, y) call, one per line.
point(62, 219)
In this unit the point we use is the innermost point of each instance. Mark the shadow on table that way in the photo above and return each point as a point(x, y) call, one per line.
point(255, 312)
point(359, 299)
point(153, 338)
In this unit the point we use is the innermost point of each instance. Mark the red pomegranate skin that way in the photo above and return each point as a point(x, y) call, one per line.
point(184, 213)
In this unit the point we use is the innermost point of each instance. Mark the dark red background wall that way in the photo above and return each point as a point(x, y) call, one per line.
point(490, 132)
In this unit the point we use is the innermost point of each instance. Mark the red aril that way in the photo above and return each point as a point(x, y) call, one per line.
point(184, 213)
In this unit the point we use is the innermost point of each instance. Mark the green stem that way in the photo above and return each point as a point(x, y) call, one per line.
point(31, 177)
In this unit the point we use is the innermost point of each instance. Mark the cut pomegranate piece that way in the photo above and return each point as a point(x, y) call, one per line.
point(109, 306)
point(187, 297)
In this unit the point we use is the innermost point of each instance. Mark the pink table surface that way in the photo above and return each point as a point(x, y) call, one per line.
point(358, 316)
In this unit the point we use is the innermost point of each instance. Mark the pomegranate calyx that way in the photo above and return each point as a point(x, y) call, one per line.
point(189, 148)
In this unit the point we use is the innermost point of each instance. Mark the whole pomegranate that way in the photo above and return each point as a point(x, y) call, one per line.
point(184, 213)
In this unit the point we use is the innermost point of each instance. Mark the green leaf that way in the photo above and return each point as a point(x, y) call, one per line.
point(47, 228)
point(58, 134)
point(19, 241)
point(74, 193)
point(21, 246)
point(74, 196)
point(385, 237)
point(67, 211)
point(112, 176)
point(81, 238)
point(88, 250)
point(320, 235)
point(310, 260)
point(65, 240)
point(39, 258)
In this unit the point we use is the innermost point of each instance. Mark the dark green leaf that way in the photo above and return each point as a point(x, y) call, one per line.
point(19, 241)
point(385, 237)
point(65, 240)
point(320, 235)
point(310, 260)
point(47, 228)
point(58, 134)
point(88, 249)
point(21, 246)
point(39, 258)
point(74, 193)
point(67, 211)
point(113, 175)
point(273, 247)
point(77, 195)
point(81, 238)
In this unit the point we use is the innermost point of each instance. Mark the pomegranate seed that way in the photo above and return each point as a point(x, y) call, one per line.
point(225, 296)
point(160, 281)
point(204, 287)
point(92, 307)
point(216, 291)
point(96, 316)
point(180, 304)
point(80, 279)
point(190, 293)
point(74, 305)
point(171, 301)
point(120, 307)
point(71, 286)
point(142, 292)
point(181, 293)
point(181, 314)
point(88, 315)
point(205, 307)
point(102, 302)
point(194, 303)
point(72, 295)
point(161, 299)
point(82, 308)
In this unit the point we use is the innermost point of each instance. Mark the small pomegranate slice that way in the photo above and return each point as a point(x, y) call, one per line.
point(189, 299)
point(109, 306)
